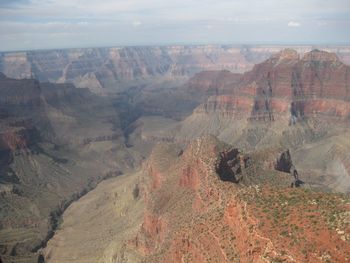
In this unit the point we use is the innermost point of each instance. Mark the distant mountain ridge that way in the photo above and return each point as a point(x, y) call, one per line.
point(115, 68)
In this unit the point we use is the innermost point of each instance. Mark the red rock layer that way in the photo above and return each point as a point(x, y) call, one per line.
point(227, 105)
point(13, 141)
point(193, 216)
point(287, 86)
point(213, 82)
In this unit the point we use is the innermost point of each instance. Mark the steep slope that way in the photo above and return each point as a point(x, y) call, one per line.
point(78, 116)
point(288, 100)
point(56, 143)
point(208, 202)
point(116, 215)
point(286, 88)
point(193, 215)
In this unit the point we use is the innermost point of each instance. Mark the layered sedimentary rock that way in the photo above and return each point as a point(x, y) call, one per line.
point(56, 143)
point(285, 84)
point(115, 68)
point(206, 201)
point(291, 100)
point(112, 68)
point(201, 200)
point(194, 214)
point(213, 82)
point(284, 88)
point(317, 83)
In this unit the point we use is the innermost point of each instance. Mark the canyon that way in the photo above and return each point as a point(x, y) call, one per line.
point(204, 142)
point(57, 143)
point(117, 68)
point(289, 101)
point(191, 215)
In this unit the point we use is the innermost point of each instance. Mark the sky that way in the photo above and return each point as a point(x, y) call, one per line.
point(46, 24)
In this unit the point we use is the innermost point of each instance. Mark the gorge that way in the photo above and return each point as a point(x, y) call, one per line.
point(195, 136)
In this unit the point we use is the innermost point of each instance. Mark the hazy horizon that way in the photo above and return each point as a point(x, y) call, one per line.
point(38, 24)
point(287, 45)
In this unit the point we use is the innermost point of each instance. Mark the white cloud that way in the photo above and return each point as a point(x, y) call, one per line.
point(136, 23)
point(184, 21)
point(322, 23)
point(293, 24)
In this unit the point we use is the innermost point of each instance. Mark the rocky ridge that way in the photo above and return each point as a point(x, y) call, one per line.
point(192, 213)
point(196, 212)
point(289, 100)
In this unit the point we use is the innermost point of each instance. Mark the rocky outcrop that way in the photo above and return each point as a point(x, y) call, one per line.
point(307, 92)
point(286, 86)
point(229, 165)
point(20, 92)
point(13, 142)
point(151, 235)
point(19, 139)
point(197, 213)
point(301, 83)
point(227, 105)
point(193, 210)
point(284, 162)
point(320, 56)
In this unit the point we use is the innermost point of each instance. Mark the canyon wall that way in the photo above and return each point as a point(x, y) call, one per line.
point(291, 100)
point(56, 143)
point(204, 203)
point(282, 91)
point(117, 67)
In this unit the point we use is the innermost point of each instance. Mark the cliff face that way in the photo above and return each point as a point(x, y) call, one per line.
point(318, 83)
point(56, 143)
point(213, 82)
point(295, 101)
point(11, 143)
point(284, 89)
point(201, 210)
point(59, 111)
point(113, 68)
point(287, 86)
point(22, 108)
point(192, 215)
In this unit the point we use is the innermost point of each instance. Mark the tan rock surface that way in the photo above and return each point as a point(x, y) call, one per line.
point(95, 228)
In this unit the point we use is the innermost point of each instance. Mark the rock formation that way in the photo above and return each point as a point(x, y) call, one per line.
point(118, 67)
point(208, 216)
point(289, 86)
point(290, 101)
point(204, 200)
point(284, 162)
point(56, 143)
